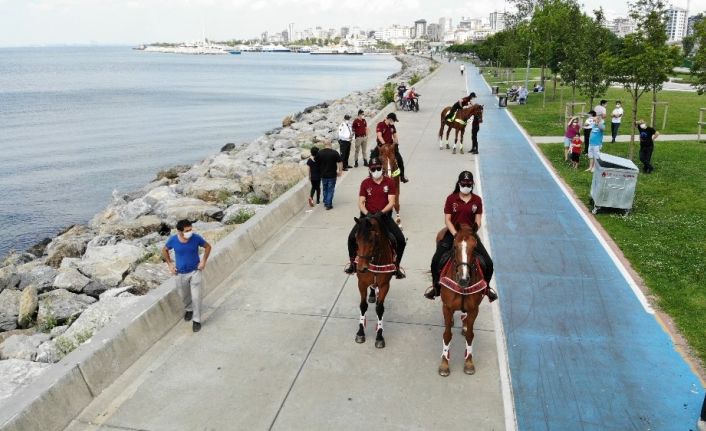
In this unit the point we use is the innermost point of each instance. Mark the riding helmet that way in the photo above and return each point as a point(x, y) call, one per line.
point(466, 176)
point(374, 163)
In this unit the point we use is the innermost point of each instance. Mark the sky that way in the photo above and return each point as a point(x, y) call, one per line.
point(104, 22)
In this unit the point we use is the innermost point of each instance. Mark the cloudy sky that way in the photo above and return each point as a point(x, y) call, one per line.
point(46, 22)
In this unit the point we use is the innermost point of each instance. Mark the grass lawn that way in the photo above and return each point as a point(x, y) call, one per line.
point(543, 115)
point(664, 237)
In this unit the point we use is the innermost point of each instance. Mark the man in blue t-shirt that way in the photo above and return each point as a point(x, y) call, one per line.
point(188, 268)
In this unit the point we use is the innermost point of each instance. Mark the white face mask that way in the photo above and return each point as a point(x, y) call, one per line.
point(643, 126)
point(466, 190)
point(618, 105)
point(188, 234)
point(376, 174)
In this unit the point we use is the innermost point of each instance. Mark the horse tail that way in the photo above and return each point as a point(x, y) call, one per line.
point(444, 112)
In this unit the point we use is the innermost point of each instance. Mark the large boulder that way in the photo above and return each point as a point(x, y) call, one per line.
point(121, 211)
point(95, 289)
point(133, 228)
point(9, 279)
point(48, 353)
point(110, 263)
point(94, 319)
point(16, 374)
point(174, 210)
point(213, 189)
point(173, 172)
point(9, 309)
point(160, 194)
point(71, 243)
point(71, 279)
point(40, 276)
point(227, 166)
point(146, 277)
point(279, 179)
point(59, 306)
point(29, 302)
point(22, 347)
point(17, 258)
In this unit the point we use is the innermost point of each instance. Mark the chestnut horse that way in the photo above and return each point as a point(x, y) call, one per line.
point(390, 169)
point(459, 124)
point(375, 264)
point(463, 288)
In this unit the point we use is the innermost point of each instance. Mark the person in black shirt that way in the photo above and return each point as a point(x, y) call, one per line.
point(314, 177)
point(647, 145)
point(330, 167)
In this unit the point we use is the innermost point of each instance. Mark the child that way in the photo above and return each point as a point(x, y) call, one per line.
point(576, 145)
point(314, 177)
point(572, 129)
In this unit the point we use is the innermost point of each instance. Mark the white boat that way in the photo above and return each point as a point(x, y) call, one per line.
point(275, 48)
point(337, 50)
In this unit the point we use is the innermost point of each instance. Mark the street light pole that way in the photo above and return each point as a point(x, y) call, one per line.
point(529, 52)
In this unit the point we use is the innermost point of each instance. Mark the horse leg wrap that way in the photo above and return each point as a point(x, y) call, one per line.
point(363, 321)
point(446, 353)
point(464, 316)
point(469, 350)
point(379, 327)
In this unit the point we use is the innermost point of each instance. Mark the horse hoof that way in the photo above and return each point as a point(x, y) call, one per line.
point(380, 343)
point(371, 298)
point(469, 369)
point(461, 151)
point(444, 371)
point(360, 339)
point(447, 146)
point(454, 151)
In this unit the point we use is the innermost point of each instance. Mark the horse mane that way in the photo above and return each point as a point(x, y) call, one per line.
point(464, 226)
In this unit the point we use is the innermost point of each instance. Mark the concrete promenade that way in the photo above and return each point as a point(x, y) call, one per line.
point(584, 347)
point(277, 347)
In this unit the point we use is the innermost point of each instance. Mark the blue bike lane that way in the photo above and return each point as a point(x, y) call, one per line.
point(585, 350)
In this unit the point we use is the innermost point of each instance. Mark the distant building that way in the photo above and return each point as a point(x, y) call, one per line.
point(621, 27)
point(497, 21)
point(434, 33)
point(692, 21)
point(445, 25)
point(345, 31)
point(676, 23)
point(420, 29)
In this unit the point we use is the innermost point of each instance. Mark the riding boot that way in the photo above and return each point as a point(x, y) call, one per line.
point(492, 296)
point(351, 269)
point(433, 291)
point(400, 165)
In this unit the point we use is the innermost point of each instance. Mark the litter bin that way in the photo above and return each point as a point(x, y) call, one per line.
point(614, 182)
point(495, 90)
point(502, 100)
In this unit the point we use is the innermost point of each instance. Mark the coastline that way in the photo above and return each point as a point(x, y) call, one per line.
point(73, 285)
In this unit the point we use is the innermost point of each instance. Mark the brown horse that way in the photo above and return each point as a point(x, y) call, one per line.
point(391, 169)
point(375, 268)
point(459, 124)
point(463, 289)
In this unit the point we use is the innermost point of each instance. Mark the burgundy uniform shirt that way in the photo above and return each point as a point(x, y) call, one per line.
point(387, 132)
point(360, 127)
point(463, 212)
point(376, 195)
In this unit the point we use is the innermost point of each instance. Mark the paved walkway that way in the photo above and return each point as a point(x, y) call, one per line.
point(277, 347)
point(619, 138)
point(584, 348)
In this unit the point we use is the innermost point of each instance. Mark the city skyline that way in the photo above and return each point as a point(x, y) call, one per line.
point(61, 22)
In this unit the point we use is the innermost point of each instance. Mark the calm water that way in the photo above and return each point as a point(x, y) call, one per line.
point(76, 123)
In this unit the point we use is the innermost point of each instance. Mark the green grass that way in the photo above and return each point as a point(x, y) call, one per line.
point(543, 115)
point(664, 236)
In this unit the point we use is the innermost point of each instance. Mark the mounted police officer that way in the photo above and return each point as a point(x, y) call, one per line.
point(387, 134)
point(460, 104)
point(377, 195)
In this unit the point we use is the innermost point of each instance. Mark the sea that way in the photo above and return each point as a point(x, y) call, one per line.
point(77, 123)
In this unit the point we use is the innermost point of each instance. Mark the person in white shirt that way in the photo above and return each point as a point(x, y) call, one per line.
point(616, 116)
point(345, 136)
point(600, 109)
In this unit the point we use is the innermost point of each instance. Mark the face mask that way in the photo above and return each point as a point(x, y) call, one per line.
point(617, 106)
point(466, 190)
point(188, 234)
point(376, 175)
point(643, 126)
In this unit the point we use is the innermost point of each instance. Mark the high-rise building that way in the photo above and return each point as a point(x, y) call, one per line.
point(420, 28)
point(345, 31)
point(676, 23)
point(434, 33)
point(445, 25)
point(693, 20)
point(290, 31)
point(621, 27)
point(497, 21)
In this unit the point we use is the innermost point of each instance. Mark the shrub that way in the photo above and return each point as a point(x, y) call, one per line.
point(414, 78)
point(241, 216)
point(257, 200)
point(388, 94)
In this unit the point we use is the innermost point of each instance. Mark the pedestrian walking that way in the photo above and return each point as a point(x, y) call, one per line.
point(188, 268)
point(462, 69)
point(572, 129)
point(647, 145)
point(330, 167)
point(615, 118)
point(314, 177)
point(345, 136)
point(587, 127)
point(595, 142)
point(360, 131)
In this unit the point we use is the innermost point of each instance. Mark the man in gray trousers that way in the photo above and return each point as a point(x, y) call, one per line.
point(188, 268)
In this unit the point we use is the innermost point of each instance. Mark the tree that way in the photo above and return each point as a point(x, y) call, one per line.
point(592, 77)
point(688, 44)
point(698, 67)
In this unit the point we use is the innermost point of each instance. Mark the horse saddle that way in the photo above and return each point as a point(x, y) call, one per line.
point(452, 118)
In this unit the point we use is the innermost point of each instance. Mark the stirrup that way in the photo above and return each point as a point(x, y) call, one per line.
point(399, 274)
point(430, 293)
point(351, 269)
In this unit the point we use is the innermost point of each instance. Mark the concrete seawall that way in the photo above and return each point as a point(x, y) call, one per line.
point(64, 390)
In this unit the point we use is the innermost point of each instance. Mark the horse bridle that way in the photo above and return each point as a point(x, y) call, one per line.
point(371, 258)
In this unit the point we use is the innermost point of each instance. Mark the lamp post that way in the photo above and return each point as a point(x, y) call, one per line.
point(529, 52)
